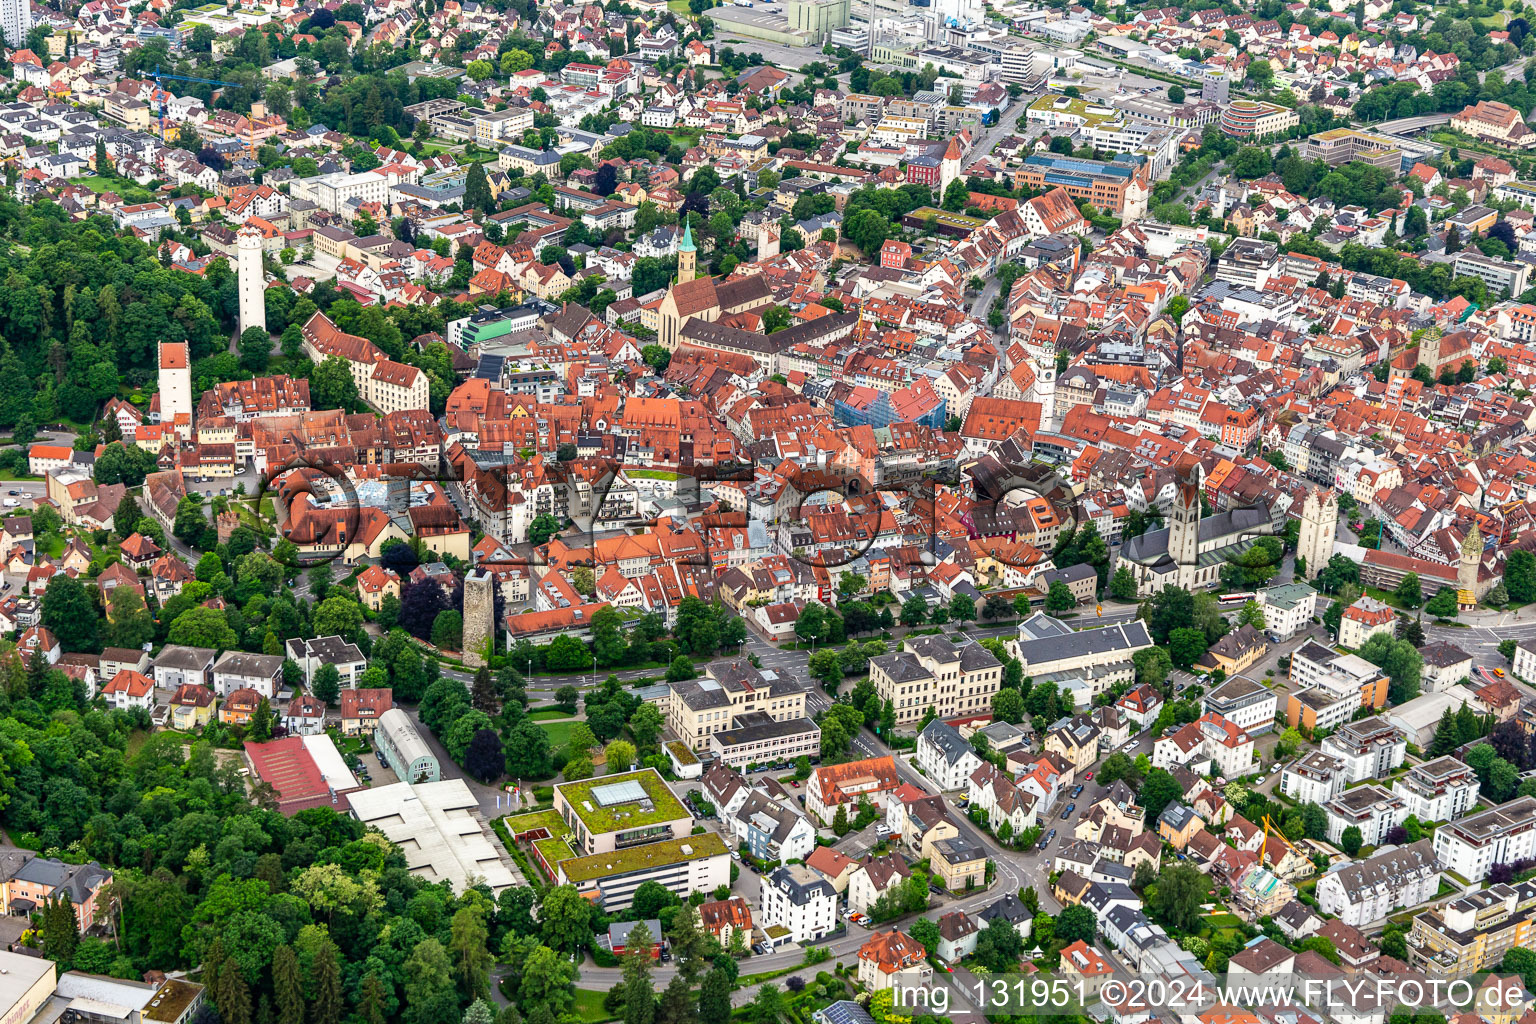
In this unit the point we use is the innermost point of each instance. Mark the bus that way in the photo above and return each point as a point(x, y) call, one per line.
point(1241, 598)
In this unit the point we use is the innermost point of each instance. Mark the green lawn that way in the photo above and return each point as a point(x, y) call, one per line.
point(530, 820)
point(679, 7)
point(589, 1004)
point(559, 732)
point(548, 714)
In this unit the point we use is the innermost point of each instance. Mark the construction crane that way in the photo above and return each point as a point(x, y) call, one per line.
point(161, 78)
point(1269, 826)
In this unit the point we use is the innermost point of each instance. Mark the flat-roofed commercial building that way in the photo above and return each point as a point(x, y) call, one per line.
point(1343, 145)
point(1117, 186)
point(26, 983)
point(755, 738)
point(438, 827)
point(682, 866)
point(615, 812)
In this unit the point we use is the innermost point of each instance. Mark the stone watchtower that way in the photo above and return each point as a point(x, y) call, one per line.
point(479, 617)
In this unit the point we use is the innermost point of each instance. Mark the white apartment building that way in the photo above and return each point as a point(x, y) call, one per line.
point(945, 756)
point(16, 22)
point(800, 901)
point(1372, 809)
point(1499, 835)
point(1314, 778)
point(1287, 607)
point(1247, 704)
point(1369, 748)
point(1211, 742)
point(1367, 891)
point(1440, 790)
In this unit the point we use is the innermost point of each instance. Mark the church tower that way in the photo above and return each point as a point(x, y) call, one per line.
point(1184, 525)
point(1319, 526)
point(687, 256)
point(1429, 350)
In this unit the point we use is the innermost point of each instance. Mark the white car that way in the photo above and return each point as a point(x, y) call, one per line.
point(11, 503)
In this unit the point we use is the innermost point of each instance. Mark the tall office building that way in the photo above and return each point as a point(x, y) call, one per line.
point(16, 22)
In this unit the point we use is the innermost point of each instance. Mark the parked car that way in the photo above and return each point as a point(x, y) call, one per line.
point(1088, 777)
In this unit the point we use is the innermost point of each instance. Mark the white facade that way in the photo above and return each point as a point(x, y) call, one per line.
point(1499, 835)
point(175, 382)
point(799, 900)
point(1246, 704)
point(16, 22)
point(945, 756)
point(1372, 809)
point(1313, 779)
point(253, 305)
point(1369, 749)
point(1441, 790)
point(1367, 891)
point(1287, 607)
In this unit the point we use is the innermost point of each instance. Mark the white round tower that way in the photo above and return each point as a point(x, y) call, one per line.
point(253, 306)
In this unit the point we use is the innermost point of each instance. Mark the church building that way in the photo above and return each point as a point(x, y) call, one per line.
point(1191, 550)
point(704, 298)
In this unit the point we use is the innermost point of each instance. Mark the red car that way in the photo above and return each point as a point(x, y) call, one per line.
point(1088, 777)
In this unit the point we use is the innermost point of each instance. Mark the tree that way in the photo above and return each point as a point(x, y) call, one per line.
point(327, 684)
point(1350, 840)
point(287, 987)
point(1409, 591)
point(527, 750)
point(542, 528)
point(1008, 705)
point(1075, 923)
point(484, 757)
point(715, 997)
point(1399, 660)
point(565, 918)
point(914, 610)
point(1158, 791)
point(1178, 896)
point(1122, 585)
point(1152, 666)
point(1119, 766)
point(325, 980)
point(70, 614)
point(1059, 597)
point(255, 349)
point(1443, 604)
point(467, 946)
point(1520, 576)
point(1186, 645)
point(202, 627)
point(999, 947)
